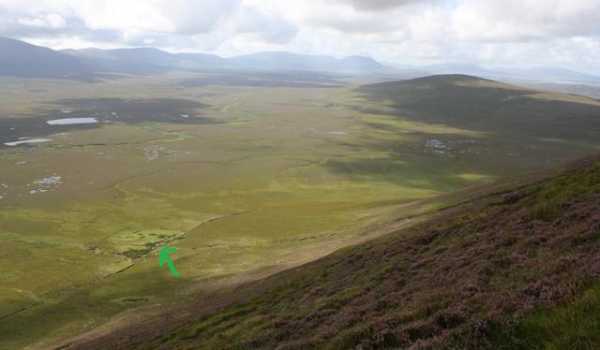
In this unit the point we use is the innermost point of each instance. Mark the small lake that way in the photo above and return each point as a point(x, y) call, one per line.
point(26, 142)
point(72, 121)
point(88, 114)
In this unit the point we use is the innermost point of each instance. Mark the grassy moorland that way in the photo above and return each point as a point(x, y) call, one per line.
point(491, 273)
point(243, 178)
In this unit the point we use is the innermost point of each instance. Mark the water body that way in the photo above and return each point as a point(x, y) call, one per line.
point(26, 142)
point(72, 121)
point(94, 113)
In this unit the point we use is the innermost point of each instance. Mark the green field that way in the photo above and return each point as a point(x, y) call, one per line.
point(239, 179)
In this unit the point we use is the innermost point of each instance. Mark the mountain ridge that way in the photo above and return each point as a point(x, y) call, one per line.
point(148, 60)
point(26, 60)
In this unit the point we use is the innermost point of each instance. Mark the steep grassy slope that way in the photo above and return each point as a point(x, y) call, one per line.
point(509, 270)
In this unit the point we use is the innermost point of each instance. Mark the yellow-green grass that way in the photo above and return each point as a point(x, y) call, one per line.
point(285, 176)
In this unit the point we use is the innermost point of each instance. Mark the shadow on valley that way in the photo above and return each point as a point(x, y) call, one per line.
point(410, 171)
point(290, 80)
point(488, 106)
point(447, 162)
point(99, 112)
point(444, 132)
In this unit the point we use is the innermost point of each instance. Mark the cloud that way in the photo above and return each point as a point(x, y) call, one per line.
point(46, 25)
point(525, 20)
point(380, 5)
point(561, 32)
point(50, 20)
point(196, 17)
point(267, 26)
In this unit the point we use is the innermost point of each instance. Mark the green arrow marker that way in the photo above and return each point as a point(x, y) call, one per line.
point(165, 256)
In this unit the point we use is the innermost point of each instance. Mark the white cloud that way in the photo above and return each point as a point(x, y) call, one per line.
point(383, 5)
point(523, 20)
point(50, 20)
point(561, 32)
point(264, 25)
point(194, 17)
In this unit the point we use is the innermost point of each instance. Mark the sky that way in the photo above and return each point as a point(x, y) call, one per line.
point(563, 33)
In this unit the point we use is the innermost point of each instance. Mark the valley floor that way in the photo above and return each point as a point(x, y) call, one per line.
point(243, 181)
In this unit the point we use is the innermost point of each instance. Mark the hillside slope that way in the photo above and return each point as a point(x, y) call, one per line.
point(484, 105)
point(471, 278)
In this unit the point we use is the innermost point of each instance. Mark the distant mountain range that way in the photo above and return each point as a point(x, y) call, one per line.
point(289, 61)
point(21, 59)
point(18, 58)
